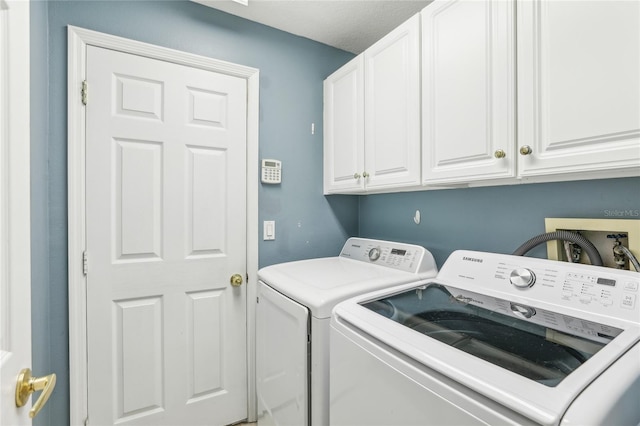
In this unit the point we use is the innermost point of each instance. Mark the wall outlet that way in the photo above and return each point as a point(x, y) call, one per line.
point(602, 233)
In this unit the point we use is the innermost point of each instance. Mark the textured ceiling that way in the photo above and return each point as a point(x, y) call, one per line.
point(351, 25)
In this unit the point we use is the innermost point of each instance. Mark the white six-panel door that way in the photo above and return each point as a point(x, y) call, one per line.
point(166, 228)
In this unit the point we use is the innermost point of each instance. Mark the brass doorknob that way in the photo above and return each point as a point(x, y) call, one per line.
point(365, 174)
point(236, 280)
point(27, 384)
point(356, 176)
point(500, 153)
point(526, 150)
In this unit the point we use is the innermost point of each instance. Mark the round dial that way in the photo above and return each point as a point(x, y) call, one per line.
point(374, 254)
point(522, 277)
point(522, 310)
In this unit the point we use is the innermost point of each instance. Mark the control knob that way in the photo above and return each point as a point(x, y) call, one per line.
point(522, 310)
point(374, 254)
point(522, 277)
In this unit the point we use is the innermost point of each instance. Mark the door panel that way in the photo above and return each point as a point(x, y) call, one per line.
point(344, 128)
point(468, 91)
point(166, 228)
point(392, 108)
point(282, 359)
point(578, 103)
point(205, 185)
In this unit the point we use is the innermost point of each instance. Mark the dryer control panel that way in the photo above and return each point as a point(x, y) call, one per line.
point(404, 257)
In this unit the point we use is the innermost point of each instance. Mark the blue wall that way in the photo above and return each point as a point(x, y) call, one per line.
point(497, 219)
point(291, 73)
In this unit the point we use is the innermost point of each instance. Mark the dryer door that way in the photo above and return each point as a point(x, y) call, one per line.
point(282, 359)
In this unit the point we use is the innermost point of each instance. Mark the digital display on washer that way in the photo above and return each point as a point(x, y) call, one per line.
point(498, 331)
point(398, 252)
point(606, 281)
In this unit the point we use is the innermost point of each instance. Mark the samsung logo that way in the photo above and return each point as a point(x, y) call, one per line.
point(472, 259)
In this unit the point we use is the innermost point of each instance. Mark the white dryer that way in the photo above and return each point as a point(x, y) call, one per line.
point(295, 301)
point(494, 339)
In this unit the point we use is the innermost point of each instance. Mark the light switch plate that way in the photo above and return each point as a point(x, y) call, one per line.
point(269, 230)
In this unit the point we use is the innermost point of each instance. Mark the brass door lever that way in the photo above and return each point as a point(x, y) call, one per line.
point(27, 384)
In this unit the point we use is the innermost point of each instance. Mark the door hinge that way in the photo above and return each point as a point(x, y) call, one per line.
point(85, 263)
point(83, 92)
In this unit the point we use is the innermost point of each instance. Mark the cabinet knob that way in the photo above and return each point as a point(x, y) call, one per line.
point(499, 153)
point(356, 176)
point(365, 174)
point(525, 150)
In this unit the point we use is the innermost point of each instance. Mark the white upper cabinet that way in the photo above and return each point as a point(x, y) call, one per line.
point(344, 129)
point(372, 117)
point(507, 91)
point(468, 91)
point(579, 88)
point(392, 108)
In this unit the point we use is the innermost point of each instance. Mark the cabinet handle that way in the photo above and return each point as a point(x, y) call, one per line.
point(526, 150)
point(499, 153)
point(356, 176)
point(365, 174)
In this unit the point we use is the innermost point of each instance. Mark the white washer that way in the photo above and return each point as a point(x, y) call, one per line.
point(295, 301)
point(494, 339)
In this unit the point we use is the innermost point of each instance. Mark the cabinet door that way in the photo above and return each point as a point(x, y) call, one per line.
point(579, 87)
point(344, 129)
point(468, 98)
point(392, 108)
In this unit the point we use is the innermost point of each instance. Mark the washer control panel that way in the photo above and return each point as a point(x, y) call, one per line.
point(404, 257)
point(589, 288)
point(595, 289)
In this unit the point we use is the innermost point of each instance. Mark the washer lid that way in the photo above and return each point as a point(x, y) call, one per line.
point(321, 283)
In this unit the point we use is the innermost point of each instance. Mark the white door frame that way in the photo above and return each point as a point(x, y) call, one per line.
point(78, 40)
point(15, 213)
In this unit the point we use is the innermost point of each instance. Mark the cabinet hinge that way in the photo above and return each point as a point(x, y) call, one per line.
point(83, 92)
point(86, 421)
point(85, 263)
